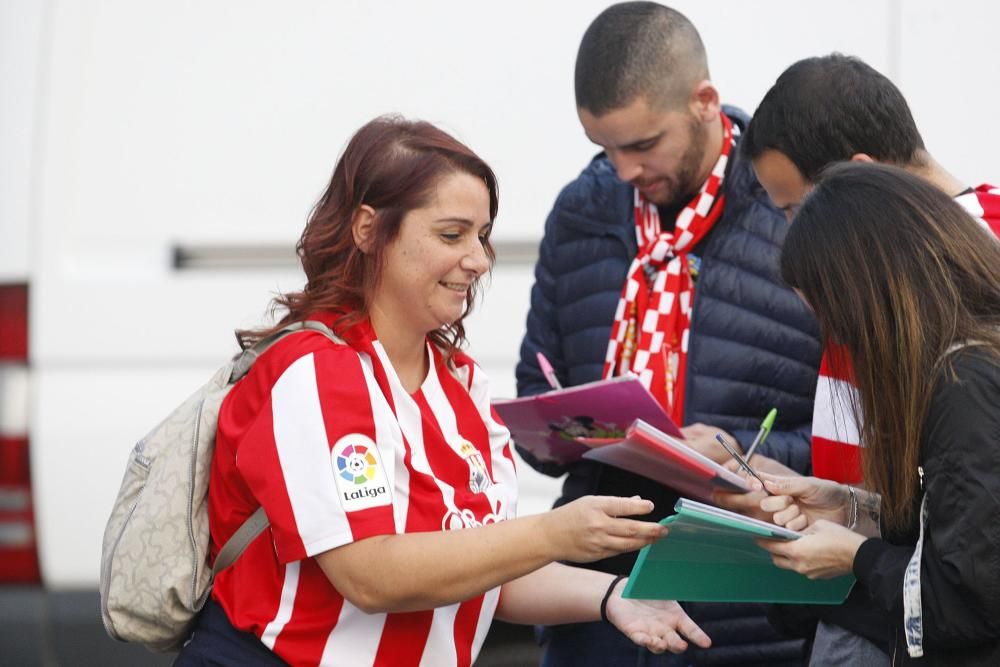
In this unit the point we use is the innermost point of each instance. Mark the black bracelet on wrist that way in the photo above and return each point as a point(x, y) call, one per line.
point(607, 596)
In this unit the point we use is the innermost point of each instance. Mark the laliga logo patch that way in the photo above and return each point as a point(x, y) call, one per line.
point(357, 464)
point(360, 475)
point(479, 476)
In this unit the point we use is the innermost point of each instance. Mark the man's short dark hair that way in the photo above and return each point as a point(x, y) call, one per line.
point(827, 109)
point(636, 49)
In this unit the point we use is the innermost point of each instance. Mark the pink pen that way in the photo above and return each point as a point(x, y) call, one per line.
point(547, 371)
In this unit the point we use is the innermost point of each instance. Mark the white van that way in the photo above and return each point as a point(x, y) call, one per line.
point(146, 214)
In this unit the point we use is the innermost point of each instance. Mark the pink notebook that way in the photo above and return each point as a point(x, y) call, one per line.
point(549, 424)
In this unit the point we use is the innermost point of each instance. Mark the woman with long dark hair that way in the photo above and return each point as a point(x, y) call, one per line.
point(908, 285)
point(388, 482)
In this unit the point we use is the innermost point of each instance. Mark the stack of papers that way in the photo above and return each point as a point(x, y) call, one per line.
point(649, 452)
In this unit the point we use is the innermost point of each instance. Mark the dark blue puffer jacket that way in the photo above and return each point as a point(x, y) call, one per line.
point(753, 344)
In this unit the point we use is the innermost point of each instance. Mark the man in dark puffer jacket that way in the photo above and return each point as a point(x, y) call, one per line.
point(643, 94)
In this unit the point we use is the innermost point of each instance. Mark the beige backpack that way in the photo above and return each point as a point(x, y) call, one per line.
point(155, 575)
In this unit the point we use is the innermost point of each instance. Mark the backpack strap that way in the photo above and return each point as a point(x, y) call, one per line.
point(240, 540)
point(257, 522)
point(245, 359)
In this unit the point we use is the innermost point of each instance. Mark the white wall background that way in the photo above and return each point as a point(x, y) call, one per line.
point(126, 127)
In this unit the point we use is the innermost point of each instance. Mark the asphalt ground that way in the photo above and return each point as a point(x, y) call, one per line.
point(64, 629)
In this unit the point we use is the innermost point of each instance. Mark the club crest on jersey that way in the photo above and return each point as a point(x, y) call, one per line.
point(361, 477)
point(479, 476)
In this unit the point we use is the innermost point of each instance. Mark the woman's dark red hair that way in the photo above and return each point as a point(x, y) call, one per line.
point(392, 165)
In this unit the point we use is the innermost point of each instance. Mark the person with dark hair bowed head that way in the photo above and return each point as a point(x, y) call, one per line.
point(660, 259)
point(909, 284)
point(836, 108)
point(389, 485)
point(831, 109)
point(821, 111)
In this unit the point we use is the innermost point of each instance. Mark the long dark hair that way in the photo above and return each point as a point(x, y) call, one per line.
point(392, 165)
point(896, 272)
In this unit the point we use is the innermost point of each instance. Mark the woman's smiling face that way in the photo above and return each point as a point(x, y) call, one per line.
point(436, 257)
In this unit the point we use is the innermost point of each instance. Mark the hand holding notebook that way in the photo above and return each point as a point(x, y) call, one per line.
point(711, 555)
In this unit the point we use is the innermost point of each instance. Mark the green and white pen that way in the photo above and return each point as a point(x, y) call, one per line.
point(765, 430)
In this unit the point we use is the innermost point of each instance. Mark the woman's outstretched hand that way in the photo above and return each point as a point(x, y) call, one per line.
point(595, 527)
point(659, 625)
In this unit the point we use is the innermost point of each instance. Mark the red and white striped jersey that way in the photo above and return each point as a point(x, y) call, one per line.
point(835, 435)
point(983, 202)
point(328, 441)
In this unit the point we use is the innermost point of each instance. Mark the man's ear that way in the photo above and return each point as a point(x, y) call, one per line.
point(363, 227)
point(863, 157)
point(705, 102)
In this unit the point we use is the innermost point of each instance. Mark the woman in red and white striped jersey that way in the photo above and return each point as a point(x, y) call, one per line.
point(388, 481)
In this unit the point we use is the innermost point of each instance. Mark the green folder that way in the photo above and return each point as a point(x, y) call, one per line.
point(710, 555)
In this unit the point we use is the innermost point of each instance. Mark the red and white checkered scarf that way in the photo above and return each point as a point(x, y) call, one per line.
point(658, 291)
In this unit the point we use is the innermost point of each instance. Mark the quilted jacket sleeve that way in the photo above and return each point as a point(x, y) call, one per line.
point(541, 336)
